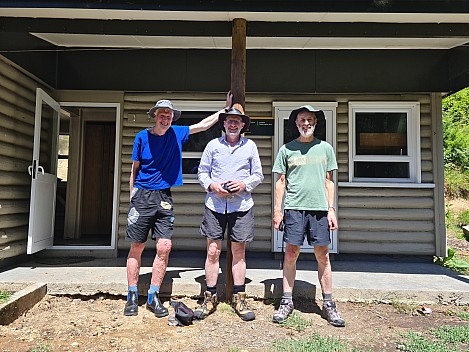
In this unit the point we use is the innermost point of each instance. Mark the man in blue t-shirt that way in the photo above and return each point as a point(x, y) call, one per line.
point(156, 167)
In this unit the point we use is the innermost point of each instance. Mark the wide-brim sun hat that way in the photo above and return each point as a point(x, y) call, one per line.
point(234, 112)
point(320, 126)
point(164, 104)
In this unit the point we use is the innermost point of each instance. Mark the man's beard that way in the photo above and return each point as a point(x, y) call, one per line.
point(307, 133)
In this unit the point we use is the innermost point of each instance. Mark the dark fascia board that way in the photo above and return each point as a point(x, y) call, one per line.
point(363, 6)
point(223, 29)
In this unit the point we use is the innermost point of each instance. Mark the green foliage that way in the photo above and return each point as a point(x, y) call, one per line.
point(418, 343)
point(463, 315)
point(4, 296)
point(456, 129)
point(452, 334)
point(463, 218)
point(314, 343)
point(297, 322)
point(404, 308)
point(42, 348)
point(452, 261)
point(456, 182)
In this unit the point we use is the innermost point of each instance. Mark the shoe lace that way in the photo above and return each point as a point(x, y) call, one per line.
point(284, 308)
point(243, 305)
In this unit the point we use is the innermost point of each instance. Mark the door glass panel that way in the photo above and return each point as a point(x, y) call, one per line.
point(48, 145)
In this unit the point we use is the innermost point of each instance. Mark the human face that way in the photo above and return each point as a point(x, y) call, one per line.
point(306, 123)
point(233, 125)
point(163, 119)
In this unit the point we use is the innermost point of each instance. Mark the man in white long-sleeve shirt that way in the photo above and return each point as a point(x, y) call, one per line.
point(229, 170)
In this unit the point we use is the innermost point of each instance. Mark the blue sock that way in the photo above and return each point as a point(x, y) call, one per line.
point(133, 289)
point(153, 289)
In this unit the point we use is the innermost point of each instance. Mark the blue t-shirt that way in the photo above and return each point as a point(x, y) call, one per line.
point(160, 158)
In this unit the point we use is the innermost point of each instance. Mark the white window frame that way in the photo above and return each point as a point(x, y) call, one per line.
point(412, 109)
point(191, 105)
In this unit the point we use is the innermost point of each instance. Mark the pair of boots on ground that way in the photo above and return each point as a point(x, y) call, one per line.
point(329, 310)
point(153, 304)
point(238, 304)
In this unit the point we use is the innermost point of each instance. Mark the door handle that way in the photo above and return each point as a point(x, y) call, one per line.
point(30, 170)
point(40, 169)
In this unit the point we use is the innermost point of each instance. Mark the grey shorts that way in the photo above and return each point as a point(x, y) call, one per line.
point(150, 210)
point(240, 225)
point(301, 224)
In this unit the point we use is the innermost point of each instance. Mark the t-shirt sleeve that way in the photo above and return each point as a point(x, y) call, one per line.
point(182, 133)
point(136, 152)
point(280, 165)
point(331, 160)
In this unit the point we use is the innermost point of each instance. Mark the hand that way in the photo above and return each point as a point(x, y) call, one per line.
point(331, 218)
point(277, 219)
point(236, 186)
point(217, 187)
point(229, 100)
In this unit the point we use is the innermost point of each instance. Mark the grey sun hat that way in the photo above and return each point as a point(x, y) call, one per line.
point(162, 104)
point(320, 129)
point(234, 112)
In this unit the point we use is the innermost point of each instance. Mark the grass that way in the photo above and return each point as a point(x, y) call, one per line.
point(441, 339)
point(404, 308)
point(4, 296)
point(42, 348)
point(314, 343)
point(297, 322)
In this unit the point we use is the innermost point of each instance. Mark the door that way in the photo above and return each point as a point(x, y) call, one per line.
point(43, 173)
point(281, 136)
point(98, 182)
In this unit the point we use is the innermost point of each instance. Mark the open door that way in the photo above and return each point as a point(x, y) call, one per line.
point(43, 173)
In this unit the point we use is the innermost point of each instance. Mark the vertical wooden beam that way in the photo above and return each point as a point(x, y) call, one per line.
point(238, 88)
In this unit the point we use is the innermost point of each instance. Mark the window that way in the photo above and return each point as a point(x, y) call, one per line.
point(385, 141)
point(193, 112)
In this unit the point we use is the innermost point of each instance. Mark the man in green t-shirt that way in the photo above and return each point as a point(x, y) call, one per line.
point(304, 167)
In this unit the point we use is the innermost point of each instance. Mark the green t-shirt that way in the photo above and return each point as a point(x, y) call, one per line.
point(304, 166)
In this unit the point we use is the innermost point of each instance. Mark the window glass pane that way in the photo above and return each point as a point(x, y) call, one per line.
point(63, 144)
point(190, 165)
point(381, 133)
point(381, 169)
point(197, 141)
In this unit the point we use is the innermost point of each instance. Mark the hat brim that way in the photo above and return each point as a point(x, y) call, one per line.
point(176, 113)
point(320, 129)
point(222, 117)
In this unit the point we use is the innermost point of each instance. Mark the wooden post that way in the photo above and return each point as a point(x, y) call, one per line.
point(238, 88)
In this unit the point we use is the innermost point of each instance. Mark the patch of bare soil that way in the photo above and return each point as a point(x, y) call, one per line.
point(97, 324)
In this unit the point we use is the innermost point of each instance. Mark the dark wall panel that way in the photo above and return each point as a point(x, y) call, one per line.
point(348, 71)
point(458, 68)
point(145, 70)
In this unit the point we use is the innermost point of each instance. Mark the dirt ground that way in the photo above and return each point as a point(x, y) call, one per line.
point(97, 324)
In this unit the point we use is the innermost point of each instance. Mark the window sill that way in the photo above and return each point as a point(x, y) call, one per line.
point(386, 185)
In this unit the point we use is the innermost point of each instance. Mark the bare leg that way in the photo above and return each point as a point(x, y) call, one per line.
point(238, 265)
point(289, 267)
point(324, 268)
point(212, 263)
point(163, 248)
point(133, 263)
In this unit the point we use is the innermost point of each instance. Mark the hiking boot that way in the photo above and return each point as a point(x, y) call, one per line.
point(156, 307)
point(208, 306)
point(131, 306)
point(330, 313)
point(283, 311)
point(240, 306)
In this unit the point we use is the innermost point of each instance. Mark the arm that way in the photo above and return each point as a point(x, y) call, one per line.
point(204, 174)
point(209, 121)
point(133, 175)
point(279, 192)
point(331, 216)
